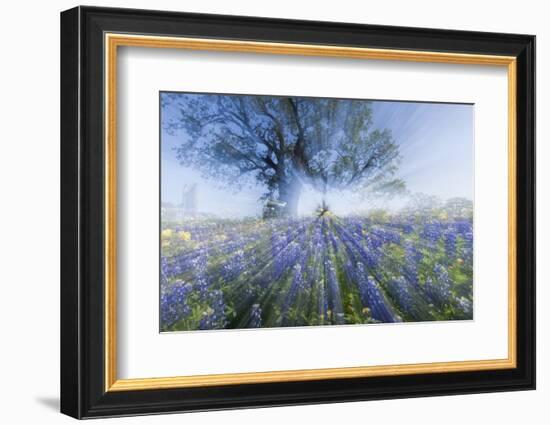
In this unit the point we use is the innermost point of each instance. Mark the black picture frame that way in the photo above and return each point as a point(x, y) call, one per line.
point(83, 392)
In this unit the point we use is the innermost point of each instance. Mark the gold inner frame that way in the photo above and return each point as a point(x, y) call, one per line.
point(113, 41)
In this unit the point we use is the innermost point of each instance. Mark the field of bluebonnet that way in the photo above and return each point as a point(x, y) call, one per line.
point(377, 267)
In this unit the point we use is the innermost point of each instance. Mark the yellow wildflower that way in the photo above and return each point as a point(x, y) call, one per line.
point(184, 236)
point(166, 234)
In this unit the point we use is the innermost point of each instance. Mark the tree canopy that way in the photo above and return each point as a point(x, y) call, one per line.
point(283, 143)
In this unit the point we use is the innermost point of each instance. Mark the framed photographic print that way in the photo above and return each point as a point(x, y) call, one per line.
point(261, 212)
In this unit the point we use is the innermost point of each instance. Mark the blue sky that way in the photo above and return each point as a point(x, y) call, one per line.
point(436, 145)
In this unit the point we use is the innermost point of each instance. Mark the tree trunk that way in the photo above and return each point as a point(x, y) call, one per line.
point(289, 192)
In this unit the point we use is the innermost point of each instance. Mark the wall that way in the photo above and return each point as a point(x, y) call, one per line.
point(29, 228)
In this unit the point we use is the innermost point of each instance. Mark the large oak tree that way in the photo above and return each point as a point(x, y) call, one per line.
point(283, 143)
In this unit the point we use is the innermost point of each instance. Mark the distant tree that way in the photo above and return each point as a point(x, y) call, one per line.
point(459, 207)
point(283, 143)
point(423, 204)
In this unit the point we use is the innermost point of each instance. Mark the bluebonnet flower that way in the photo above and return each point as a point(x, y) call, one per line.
point(450, 243)
point(201, 278)
point(335, 300)
point(401, 291)
point(432, 232)
point(229, 270)
point(372, 298)
point(255, 316)
point(214, 315)
point(438, 286)
point(465, 305)
point(235, 266)
point(412, 258)
point(173, 303)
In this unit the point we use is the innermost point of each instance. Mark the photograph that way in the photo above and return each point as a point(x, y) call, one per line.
point(289, 211)
point(283, 210)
